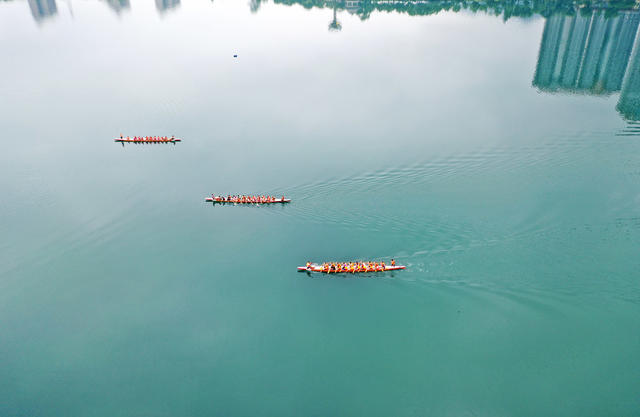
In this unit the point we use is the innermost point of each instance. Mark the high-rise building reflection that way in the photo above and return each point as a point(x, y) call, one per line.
point(629, 103)
point(41, 9)
point(163, 5)
point(254, 5)
point(586, 53)
point(591, 54)
point(118, 5)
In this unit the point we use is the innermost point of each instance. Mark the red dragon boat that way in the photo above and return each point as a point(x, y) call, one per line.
point(147, 139)
point(349, 267)
point(246, 200)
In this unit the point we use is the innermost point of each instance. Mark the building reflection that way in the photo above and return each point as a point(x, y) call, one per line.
point(629, 103)
point(118, 5)
point(163, 5)
point(254, 5)
point(590, 54)
point(352, 6)
point(42, 9)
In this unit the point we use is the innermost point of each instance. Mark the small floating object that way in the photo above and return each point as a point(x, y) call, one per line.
point(350, 267)
point(147, 139)
point(246, 199)
point(235, 55)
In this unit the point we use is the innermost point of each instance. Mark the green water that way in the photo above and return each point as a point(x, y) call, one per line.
point(498, 158)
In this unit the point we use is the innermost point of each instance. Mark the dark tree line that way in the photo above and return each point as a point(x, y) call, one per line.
point(504, 8)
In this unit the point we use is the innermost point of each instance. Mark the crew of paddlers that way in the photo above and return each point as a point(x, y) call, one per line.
point(149, 138)
point(351, 267)
point(247, 199)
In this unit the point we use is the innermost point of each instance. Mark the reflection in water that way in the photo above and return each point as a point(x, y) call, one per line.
point(352, 6)
point(504, 8)
point(335, 25)
point(586, 53)
point(41, 9)
point(254, 5)
point(590, 54)
point(629, 103)
point(118, 5)
point(163, 5)
point(582, 50)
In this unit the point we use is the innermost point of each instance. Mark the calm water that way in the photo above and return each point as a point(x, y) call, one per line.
point(495, 153)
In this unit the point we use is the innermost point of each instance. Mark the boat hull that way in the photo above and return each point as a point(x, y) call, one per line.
point(148, 141)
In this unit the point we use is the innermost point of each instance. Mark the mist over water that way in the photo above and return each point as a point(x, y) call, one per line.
point(492, 149)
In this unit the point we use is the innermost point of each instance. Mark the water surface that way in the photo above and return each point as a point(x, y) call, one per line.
point(494, 152)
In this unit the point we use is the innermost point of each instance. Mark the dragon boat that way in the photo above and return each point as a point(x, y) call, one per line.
point(360, 268)
point(148, 139)
point(234, 200)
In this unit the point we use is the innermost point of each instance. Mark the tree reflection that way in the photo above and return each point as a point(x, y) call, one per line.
point(505, 8)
